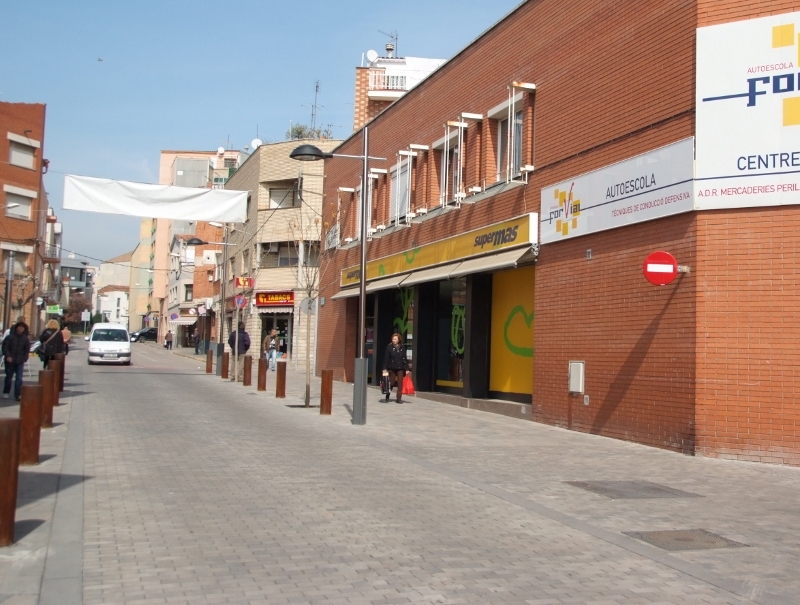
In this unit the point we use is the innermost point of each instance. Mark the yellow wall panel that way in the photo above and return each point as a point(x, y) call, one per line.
point(511, 369)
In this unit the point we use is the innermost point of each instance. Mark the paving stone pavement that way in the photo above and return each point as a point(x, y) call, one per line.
point(197, 490)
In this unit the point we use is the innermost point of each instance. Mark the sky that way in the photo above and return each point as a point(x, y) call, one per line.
point(197, 75)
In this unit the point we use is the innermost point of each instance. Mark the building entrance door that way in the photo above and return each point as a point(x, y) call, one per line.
point(283, 324)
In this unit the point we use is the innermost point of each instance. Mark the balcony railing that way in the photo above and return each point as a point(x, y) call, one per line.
point(380, 80)
point(51, 252)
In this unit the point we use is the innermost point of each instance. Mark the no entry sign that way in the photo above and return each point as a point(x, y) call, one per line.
point(660, 268)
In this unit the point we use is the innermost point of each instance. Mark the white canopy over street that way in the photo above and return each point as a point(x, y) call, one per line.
point(154, 201)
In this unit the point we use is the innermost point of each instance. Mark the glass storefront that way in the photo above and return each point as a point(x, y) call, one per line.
point(450, 341)
point(281, 323)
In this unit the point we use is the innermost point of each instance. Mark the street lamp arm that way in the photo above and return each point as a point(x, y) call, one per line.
point(355, 157)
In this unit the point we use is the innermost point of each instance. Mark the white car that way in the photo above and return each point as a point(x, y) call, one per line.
point(109, 343)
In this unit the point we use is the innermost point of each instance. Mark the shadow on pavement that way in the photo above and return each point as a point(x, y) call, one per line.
point(300, 405)
point(349, 409)
point(35, 486)
point(67, 393)
point(23, 528)
point(46, 457)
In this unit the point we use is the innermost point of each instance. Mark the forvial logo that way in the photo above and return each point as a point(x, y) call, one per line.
point(565, 212)
point(786, 80)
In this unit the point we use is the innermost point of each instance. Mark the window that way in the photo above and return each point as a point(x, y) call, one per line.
point(20, 263)
point(312, 254)
point(21, 155)
point(400, 196)
point(504, 170)
point(230, 163)
point(18, 206)
point(232, 268)
point(118, 302)
point(287, 255)
point(188, 293)
point(110, 335)
point(245, 262)
point(284, 198)
point(269, 256)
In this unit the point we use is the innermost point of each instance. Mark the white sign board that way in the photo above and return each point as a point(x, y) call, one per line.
point(748, 113)
point(86, 316)
point(642, 188)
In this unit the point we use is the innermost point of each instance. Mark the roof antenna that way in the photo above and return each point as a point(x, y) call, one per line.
point(392, 45)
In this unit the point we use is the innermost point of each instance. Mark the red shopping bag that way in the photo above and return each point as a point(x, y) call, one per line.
point(408, 386)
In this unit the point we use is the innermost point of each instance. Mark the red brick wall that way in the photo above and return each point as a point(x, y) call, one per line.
point(17, 118)
point(712, 12)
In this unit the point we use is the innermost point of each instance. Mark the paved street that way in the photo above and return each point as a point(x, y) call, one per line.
point(163, 485)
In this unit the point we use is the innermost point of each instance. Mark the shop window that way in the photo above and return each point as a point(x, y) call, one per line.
point(451, 332)
point(21, 155)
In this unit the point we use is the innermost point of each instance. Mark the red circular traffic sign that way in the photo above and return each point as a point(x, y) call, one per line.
point(660, 268)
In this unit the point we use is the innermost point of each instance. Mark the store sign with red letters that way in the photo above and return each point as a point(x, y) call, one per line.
point(274, 299)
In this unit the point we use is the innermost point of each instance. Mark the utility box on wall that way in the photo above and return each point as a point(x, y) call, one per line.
point(576, 376)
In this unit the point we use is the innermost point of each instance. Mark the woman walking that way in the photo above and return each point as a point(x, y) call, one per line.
point(52, 342)
point(395, 365)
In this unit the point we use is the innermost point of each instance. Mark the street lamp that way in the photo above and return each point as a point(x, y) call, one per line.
point(310, 153)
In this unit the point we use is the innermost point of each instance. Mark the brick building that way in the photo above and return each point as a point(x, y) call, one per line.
point(527, 180)
point(27, 227)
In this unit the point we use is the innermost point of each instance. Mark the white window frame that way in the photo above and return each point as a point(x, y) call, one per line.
point(400, 193)
point(22, 155)
point(291, 194)
point(20, 194)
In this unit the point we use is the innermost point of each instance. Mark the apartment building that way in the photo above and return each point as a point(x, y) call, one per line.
point(273, 259)
point(182, 309)
point(112, 289)
point(528, 181)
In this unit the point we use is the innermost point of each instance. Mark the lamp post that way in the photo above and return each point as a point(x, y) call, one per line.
point(310, 153)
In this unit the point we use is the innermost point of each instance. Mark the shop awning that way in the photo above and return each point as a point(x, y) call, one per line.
point(432, 274)
point(387, 282)
point(183, 321)
point(493, 262)
point(276, 309)
point(346, 293)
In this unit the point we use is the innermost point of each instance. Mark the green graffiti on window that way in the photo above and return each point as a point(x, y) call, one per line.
point(401, 324)
point(528, 318)
point(458, 323)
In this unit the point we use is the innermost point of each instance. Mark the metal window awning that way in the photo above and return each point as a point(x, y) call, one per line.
point(387, 282)
point(183, 321)
point(346, 293)
point(493, 262)
point(265, 310)
point(432, 274)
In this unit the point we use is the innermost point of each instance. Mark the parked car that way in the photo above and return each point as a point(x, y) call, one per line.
point(109, 343)
point(145, 334)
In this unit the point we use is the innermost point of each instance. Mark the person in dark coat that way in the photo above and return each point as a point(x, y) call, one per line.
point(243, 346)
point(52, 342)
point(16, 348)
point(395, 365)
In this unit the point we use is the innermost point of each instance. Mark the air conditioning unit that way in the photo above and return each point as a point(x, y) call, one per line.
point(348, 240)
point(474, 189)
point(422, 211)
point(380, 227)
point(410, 215)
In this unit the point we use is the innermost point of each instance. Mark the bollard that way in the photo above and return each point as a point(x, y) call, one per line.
point(226, 360)
point(57, 365)
point(47, 378)
point(262, 374)
point(209, 361)
point(326, 394)
point(62, 371)
point(280, 381)
point(247, 373)
point(9, 477)
point(30, 415)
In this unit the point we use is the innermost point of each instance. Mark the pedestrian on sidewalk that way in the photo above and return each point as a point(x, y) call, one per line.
point(239, 342)
point(16, 348)
point(271, 348)
point(66, 336)
point(396, 364)
point(168, 340)
point(196, 337)
point(52, 342)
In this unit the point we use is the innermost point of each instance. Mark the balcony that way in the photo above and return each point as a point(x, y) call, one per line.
point(51, 254)
point(385, 87)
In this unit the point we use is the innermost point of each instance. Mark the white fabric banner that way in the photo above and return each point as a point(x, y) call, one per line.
point(154, 201)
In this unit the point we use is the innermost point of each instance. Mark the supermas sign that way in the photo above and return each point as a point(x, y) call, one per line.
point(748, 113)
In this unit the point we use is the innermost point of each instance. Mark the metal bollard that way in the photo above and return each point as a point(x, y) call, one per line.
point(209, 361)
point(30, 415)
point(247, 374)
point(9, 477)
point(62, 371)
point(226, 360)
point(262, 374)
point(47, 378)
point(326, 394)
point(280, 381)
point(57, 365)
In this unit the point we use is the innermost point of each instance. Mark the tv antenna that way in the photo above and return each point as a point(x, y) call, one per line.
point(394, 37)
